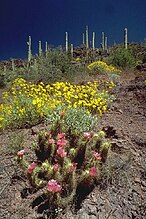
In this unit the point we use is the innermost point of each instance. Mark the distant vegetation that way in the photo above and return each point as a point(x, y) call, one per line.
point(57, 65)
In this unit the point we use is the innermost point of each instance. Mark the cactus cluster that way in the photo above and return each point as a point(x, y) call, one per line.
point(65, 162)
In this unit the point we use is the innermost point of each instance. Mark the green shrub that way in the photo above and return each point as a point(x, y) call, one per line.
point(123, 58)
point(75, 120)
point(144, 58)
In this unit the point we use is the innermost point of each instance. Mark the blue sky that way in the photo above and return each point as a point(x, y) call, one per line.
point(48, 20)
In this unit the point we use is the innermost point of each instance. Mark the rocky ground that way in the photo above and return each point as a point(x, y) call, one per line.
point(122, 192)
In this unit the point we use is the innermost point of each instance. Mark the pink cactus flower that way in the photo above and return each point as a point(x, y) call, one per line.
point(31, 167)
point(93, 171)
point(87, 135)
point(72, 167)
point(56, 167)
point(53, 186)
point(20, 153)
point(61, 152)
point(51, 141)
point(97, 155)
point(61, 142)
point(61, 135)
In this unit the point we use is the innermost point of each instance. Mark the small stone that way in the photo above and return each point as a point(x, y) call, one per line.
point(34, 130)
point(137, 180)
point(143, 183)
point(120, 111)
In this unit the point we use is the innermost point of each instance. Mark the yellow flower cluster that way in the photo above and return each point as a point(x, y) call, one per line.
point(27, 101)
point(102, 67)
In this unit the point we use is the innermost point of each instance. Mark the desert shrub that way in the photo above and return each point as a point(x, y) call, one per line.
point(15, 141)
point(27, 104)
point(7, 76)
point(64, 163)
point(144, 58)
point(74, 120)
point(56, 66)
point(102, 68)
point(123, 58)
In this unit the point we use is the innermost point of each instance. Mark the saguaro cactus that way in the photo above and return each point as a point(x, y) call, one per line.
point(87, 38)
point(125, 38)
point(29, 49)
point(71, 49)
point(46, 48)
point(105, 44)
point(93, 41)
point(102, 42)
point(66, 41)
point(13, 64)
point(83, 39)
point(40, 48)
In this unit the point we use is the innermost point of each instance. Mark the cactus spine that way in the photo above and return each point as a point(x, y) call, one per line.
point(125, 38)
point(87, 38)
point(93, 41)
point(102, 42)
point(40, 48)
point(66, 41)
point(29, 49)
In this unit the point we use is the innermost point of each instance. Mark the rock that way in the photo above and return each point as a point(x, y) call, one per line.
point(34, 130)
point(137, 180)
point(143, 183)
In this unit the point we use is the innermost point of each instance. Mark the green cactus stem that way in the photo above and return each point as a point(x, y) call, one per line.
point(71, 49)
point(29, 49)
point(13, 64)
point(125, 38)
point(93, 41)
point(46, 48)
point(87, 38)
point(105, 43)
point(5, 68)
point(102, 41)
point(66, 42)
point(104, 150)
point(83, 39)
point(40, 48)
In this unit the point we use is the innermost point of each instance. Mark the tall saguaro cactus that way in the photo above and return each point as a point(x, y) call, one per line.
point(46, 48)
point(13, 64)
point(72, 49)
point(93, 41)
point(83, 39)
point(87, 38)
point(102, 42)
point(105, 44)
point(66, 41)
point(29, 49)
point(40, 48)
point(125, 38)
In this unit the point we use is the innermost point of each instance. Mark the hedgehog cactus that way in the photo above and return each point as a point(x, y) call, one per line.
point(61, 165)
